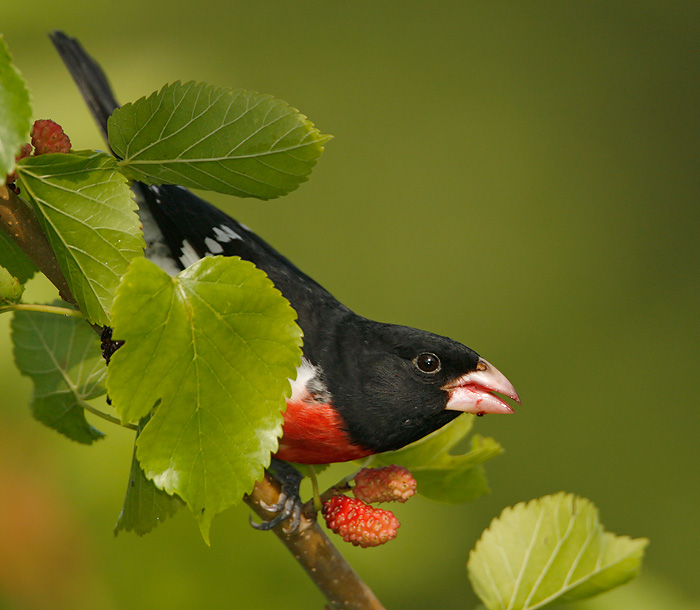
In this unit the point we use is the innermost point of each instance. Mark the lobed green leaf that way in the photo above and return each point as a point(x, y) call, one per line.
point(62, 356)
point(235, 142)
point(550, 550)
point(441, 475)
point(87, 211)
point(15, 111)
point(213, 348)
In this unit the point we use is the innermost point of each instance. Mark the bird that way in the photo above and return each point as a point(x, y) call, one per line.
point(363, 387)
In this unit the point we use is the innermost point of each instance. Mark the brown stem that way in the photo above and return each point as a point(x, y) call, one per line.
point(18, 221)
point(310, 546)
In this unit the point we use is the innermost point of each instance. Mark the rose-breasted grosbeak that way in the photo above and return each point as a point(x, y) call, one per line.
point(363, 386)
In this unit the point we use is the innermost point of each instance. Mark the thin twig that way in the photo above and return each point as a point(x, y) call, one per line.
point(310, 546)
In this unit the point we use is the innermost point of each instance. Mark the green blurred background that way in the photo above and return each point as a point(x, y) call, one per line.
point(522, 177)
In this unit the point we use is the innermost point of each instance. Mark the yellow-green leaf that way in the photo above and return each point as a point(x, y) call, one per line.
point(214, 348)
point(440, 474)
point(550, 550)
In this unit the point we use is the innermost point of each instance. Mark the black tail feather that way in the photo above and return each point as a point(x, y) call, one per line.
point(89, 77)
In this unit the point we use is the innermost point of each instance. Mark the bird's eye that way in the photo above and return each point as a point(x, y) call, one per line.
point(427, 362)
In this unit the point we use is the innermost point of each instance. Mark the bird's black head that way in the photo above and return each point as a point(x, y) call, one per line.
point(398, 384)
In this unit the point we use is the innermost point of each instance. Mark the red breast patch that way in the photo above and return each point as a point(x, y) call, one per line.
point(313, 434)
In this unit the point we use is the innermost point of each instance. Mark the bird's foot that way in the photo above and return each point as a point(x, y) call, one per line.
point(289, 505)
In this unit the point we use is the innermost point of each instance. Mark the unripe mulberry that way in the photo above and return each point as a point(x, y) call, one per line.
point(48, 137)
point(387, 484)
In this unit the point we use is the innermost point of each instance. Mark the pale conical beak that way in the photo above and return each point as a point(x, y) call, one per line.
point(473, 392)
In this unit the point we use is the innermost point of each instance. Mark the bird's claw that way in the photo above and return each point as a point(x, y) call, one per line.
point(277, 506)
point(290, 510)
point(289, 505)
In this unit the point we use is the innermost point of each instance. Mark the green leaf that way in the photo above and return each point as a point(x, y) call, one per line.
point(145, 506)
point(441, 475)
point(62, 357)
point(234, 142)
point(15, 260)
point(87, 211)
point(550, 550)
point(433, 447)
point(456, 479)
point(10, 288)
point(15, 111)
point(215, 347)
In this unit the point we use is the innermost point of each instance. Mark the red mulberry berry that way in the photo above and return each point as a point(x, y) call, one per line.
point(359, 523)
